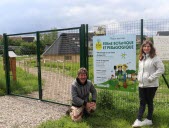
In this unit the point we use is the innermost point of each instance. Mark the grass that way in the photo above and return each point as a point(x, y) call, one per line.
point(113, 113)
point(26, 82)
point(67, 68)
point(114, 116)
point(120, 111)
point(2, 80)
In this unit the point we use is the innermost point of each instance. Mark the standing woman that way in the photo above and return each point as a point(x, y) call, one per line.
point(150, 69)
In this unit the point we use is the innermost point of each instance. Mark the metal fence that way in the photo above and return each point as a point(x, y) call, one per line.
point(142, 29)
point(50, 76)
point(44, 72)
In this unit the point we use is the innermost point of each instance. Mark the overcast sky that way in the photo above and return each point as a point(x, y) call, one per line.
point(18, 16)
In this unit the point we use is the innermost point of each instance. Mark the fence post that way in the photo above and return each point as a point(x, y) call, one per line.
point(87, 51)
point(39, 65)
point(6, 63)
point(82, 46)
point(142, 31)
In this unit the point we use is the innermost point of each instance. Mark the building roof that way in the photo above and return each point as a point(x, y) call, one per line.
point(28, 39)
point(163, 33)
point(67, 43)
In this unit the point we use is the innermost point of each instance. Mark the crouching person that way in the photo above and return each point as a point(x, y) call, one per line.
point(80, 91)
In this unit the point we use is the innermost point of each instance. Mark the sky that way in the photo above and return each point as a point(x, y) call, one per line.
point(20, 16)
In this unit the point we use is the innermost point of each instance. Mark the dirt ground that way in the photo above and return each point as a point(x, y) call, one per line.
point(56, 85)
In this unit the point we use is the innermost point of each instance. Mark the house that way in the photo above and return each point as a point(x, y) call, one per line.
point(162, 33)
point(28, 39)
point(24, 38)
point(65, 48)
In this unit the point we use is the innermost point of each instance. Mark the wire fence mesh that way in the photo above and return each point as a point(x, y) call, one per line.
point(130, 100)
point(60, 60)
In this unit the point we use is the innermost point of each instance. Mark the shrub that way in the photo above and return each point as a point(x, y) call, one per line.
point(2, 92)
point(105, 99)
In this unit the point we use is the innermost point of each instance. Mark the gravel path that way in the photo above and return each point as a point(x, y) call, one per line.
point(19, 112)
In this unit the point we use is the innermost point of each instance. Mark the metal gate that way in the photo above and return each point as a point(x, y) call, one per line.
point(45, 67)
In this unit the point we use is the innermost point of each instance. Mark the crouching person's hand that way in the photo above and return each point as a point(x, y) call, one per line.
point(90, 107)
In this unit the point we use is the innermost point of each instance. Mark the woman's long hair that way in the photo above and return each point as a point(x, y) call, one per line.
point(152, 51)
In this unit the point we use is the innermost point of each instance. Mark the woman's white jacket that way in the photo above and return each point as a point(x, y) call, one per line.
point(150, 69)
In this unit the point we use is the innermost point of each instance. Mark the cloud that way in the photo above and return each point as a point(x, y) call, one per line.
point(33, 15)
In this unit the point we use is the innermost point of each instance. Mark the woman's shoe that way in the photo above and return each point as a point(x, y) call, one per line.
point(137, 123)
point(147, 122)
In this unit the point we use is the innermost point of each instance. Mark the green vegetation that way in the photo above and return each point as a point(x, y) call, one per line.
point(21, 47)
point(67, 68)
point(118, 109)
point(26, 82)
point(116, 84)
point(115, 109)
point(48, 38)
point(105, 99)
point(112, 112)
point(2, 80)
point(64, 122)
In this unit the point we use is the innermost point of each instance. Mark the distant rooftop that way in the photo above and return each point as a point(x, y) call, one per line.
point(163, 33)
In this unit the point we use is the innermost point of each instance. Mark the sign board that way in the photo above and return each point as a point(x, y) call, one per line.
point(11, 54)
point(115, 62)
point(161, 43)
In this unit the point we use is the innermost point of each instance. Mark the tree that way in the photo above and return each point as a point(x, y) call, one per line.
point(15, 41)
point(28, 48)
point(48, 38)
point(1, 41)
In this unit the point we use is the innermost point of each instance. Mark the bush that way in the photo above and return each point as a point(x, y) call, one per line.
point(2, 92)
point(105, 99)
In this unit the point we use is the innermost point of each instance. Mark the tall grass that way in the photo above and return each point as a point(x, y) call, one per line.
point(68, 68)
point(2, 78)
point(25, 83)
